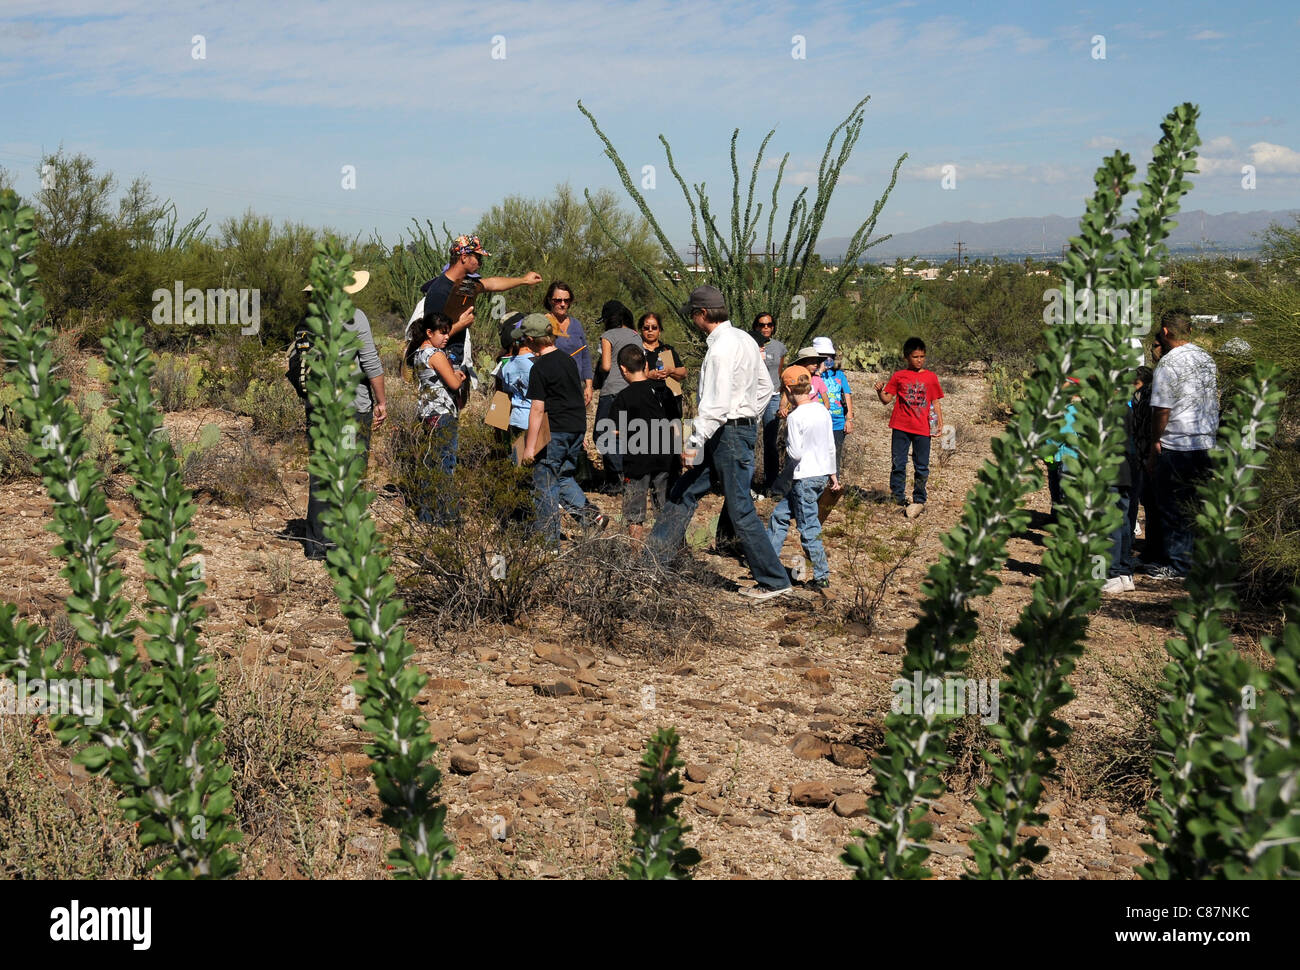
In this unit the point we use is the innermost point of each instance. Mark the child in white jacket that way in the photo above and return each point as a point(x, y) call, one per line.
point(810, 444)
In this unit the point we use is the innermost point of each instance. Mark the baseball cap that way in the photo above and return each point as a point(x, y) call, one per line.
point(824, 346)
point(510, 329)
point(535, 325)
point(794, 374)
point(463, 245)
point(704, 298)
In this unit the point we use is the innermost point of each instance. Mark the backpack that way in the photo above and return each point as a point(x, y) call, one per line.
point(298, 367)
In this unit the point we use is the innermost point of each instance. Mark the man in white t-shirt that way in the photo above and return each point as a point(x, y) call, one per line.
point(1184, 424)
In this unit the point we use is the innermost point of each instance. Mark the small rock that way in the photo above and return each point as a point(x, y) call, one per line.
point(818, 675)
point(809, 746)
point(463, 764)
point(521, 680)
point(684, 670)
point(950, 849)
point(485, 655)
point(710, 806)
point(791, 640)
point(853, 805)
point(553, 654)
point(447, 684)
point(849, 756)
point(561, 688)
point(612, 751)
point(816, 794)
point(893, 649)
point(698, 773)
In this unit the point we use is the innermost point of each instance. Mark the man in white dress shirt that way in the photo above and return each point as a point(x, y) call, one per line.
point(734, 390)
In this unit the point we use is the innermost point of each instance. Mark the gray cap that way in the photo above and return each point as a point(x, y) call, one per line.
point(704, 298)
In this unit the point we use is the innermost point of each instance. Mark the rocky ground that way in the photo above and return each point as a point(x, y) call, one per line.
point(779, 711)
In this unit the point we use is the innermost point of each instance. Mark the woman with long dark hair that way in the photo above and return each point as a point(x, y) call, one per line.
point(443, 388)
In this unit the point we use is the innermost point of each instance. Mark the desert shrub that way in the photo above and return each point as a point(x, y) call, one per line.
point(618, 598)
point(237, 472)
point(176, 382)
point(1004, 386)
point(274, 407)
point(271, 728)
point(490, 564)
point(53, 829)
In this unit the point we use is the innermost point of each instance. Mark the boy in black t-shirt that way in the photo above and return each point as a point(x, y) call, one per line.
point(645, 439)
point(556, 391)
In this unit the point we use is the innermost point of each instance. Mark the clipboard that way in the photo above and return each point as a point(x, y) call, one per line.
point(498, 411)
point(543, 437)
point(667, 361)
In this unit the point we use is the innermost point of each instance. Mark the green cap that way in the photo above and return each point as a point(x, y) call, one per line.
point(536, 325)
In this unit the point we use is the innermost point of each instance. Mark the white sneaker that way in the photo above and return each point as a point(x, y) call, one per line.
point(1137, 530)
point(1118, 584)
point(765, 592)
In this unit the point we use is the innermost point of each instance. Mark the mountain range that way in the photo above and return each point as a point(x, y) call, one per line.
point(1047, 234)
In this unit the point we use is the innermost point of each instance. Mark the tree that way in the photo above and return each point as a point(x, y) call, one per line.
point(796, 298)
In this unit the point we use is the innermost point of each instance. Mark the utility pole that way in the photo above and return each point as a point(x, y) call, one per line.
point(958, 247)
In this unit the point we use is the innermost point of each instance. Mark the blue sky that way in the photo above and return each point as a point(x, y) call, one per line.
point(436, 127)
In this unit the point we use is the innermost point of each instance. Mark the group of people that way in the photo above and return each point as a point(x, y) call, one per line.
point(1171, 423)
point(748, 386)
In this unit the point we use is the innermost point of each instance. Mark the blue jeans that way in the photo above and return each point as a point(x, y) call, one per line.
point(555, 485)
point(771, 451)
point(802, 501)
point(920, 448)
point(1121, 540)
point(728, 456)
point(1178, 473)
point(440, 454)
point(613, 456)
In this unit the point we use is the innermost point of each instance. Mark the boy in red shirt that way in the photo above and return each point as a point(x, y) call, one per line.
point(913, 392)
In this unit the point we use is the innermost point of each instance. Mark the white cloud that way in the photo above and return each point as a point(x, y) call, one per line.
point(1102, 143)
point(1208, 35)
point(1265, 156)
point(1276, 159)
point(1221, 144)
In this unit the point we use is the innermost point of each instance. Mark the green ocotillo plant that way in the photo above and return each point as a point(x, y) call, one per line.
point(150, 727)
point(1052, 627)
point(907, 771)
point(1228, 763)
point(657, 850)
point(782, 281)
point(361, 569)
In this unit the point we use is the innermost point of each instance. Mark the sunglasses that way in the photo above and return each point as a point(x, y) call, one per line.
point(561, 299)
point(650, 326)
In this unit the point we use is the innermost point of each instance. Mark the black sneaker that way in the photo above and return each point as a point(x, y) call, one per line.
point(820, 583)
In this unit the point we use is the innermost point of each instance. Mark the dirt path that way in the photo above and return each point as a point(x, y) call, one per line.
point(545, 735)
